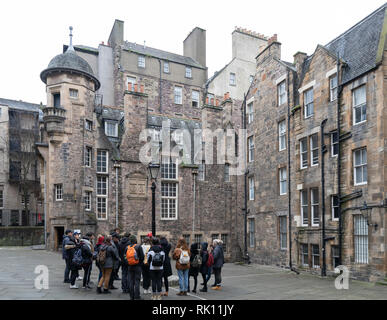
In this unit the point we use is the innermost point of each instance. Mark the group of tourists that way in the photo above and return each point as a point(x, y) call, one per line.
point(149, 261)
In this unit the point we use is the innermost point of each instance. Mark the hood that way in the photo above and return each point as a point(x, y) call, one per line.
point(86, 241)
point(156, 248)
point(194, 247)
point(204, 246)
point(124, 240)
point(164, 243)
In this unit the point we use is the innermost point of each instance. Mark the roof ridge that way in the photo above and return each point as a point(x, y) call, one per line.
point(20, 101)
point(358, 24)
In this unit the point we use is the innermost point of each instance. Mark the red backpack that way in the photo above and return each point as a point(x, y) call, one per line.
point(210, 261)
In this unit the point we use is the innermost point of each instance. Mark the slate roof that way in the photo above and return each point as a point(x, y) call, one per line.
point(21, 105)
point(70, 61)
point(357, 47)
point(164, 55)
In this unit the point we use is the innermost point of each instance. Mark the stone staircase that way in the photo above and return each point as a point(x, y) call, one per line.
point(383, 282)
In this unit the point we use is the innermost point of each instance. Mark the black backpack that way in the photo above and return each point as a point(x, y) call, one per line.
point(157, 260)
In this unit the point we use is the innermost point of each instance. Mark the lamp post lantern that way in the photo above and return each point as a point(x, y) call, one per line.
point(153, 173)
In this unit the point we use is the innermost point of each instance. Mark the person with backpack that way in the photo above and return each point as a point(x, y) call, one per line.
point(218, 263)
point(116, 262)
point(210, 262)
point(205, 265)
point(65, 255)
point(122, 246)
point(106, 257)
point(87, 259)
point(182, 256)
point(156, 258)
point(195, 263)
point(100, 242)
point(146, 280)
point(167, 268)
point(135, 258)
point(73, 249)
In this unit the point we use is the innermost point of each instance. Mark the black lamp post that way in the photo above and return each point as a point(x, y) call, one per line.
point(153, 173)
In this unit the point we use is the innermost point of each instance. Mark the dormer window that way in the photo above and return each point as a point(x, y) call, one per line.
point(188, 72)
point(111, 129)
point(141, 61)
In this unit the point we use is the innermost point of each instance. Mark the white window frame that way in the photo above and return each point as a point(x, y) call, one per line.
point(333, 143)
point(171, 168)
point(111, 126)
point(107, 161)
point(103, 197)
point(132, 80)
point(250, 142)
point(88, 198)
point(75, 97)
point(188, 72)
point(333, 206)
point(282, 135)
point(315, 206)
point(308, 105)
point(176, 198)
point(304, 215)
point(59, 192)
point(88, 125)
point(332, 88)
point(166, 67)
point(304, 154)
point(281, 92)
point(360, 105)
point(88, 156)
point(283, 232)
point(178, 95)
point(251, 233)
point(141, 61)
point(303, 245)
point(314, 149)
point(360, 238)
point(195, 95)
point(250, 112)
point(283, 181)
point(232, 79)
point(314, 255)
point(362, 165)
point(251, 189)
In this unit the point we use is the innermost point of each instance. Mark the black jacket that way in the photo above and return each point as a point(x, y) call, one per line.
point(167, 268)
point(87, 254)
point(194, 251)
point(124, 242)
point(204, 254)
point(111, 256)
point(66, 240)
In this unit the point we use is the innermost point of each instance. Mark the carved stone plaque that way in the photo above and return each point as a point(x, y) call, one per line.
point(137, 188)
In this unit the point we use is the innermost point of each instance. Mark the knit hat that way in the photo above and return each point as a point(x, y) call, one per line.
point(133, 239)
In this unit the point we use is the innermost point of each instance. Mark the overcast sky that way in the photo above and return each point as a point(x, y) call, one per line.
point(33, 32)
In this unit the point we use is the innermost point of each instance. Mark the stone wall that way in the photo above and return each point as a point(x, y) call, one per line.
point(21, 236)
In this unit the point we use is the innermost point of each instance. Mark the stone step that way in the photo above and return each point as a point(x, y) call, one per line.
point(382, 283)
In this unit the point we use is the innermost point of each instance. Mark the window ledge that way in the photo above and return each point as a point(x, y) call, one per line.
point(361, 184)
point(359, 123)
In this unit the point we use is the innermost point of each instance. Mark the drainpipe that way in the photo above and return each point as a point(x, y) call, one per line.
point(116, 166)
point(323, 151)
point(339, 91)
point(247, 258)
point(289, 178)
point(160, 87)
point(45, 204)
point(194, 173)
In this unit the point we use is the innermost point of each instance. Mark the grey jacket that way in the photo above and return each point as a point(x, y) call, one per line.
point(218, 257)
point(111, 256)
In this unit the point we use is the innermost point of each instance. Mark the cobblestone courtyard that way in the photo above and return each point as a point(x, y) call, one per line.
point(240, 282)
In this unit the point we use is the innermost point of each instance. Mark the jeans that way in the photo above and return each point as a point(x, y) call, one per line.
point(183, 280)
point(86, 274)
point(209, 272)
point(146, 280)
point(125, 278)
point(166, 283)
point(218, 276)
point(73, 276)
point(204, 276)
point(67, 270)
point(156, 276)
point(134, 273)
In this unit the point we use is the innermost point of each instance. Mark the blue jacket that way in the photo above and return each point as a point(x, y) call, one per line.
point(65, 253)
point(218, 257)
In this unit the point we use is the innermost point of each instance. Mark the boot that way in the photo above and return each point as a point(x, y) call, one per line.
point(99, 290)
point(203, 290)
point(106, 291)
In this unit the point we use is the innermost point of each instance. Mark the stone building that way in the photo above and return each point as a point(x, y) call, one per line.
point(327, 206)
point(20, 199)
point(99, 101)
